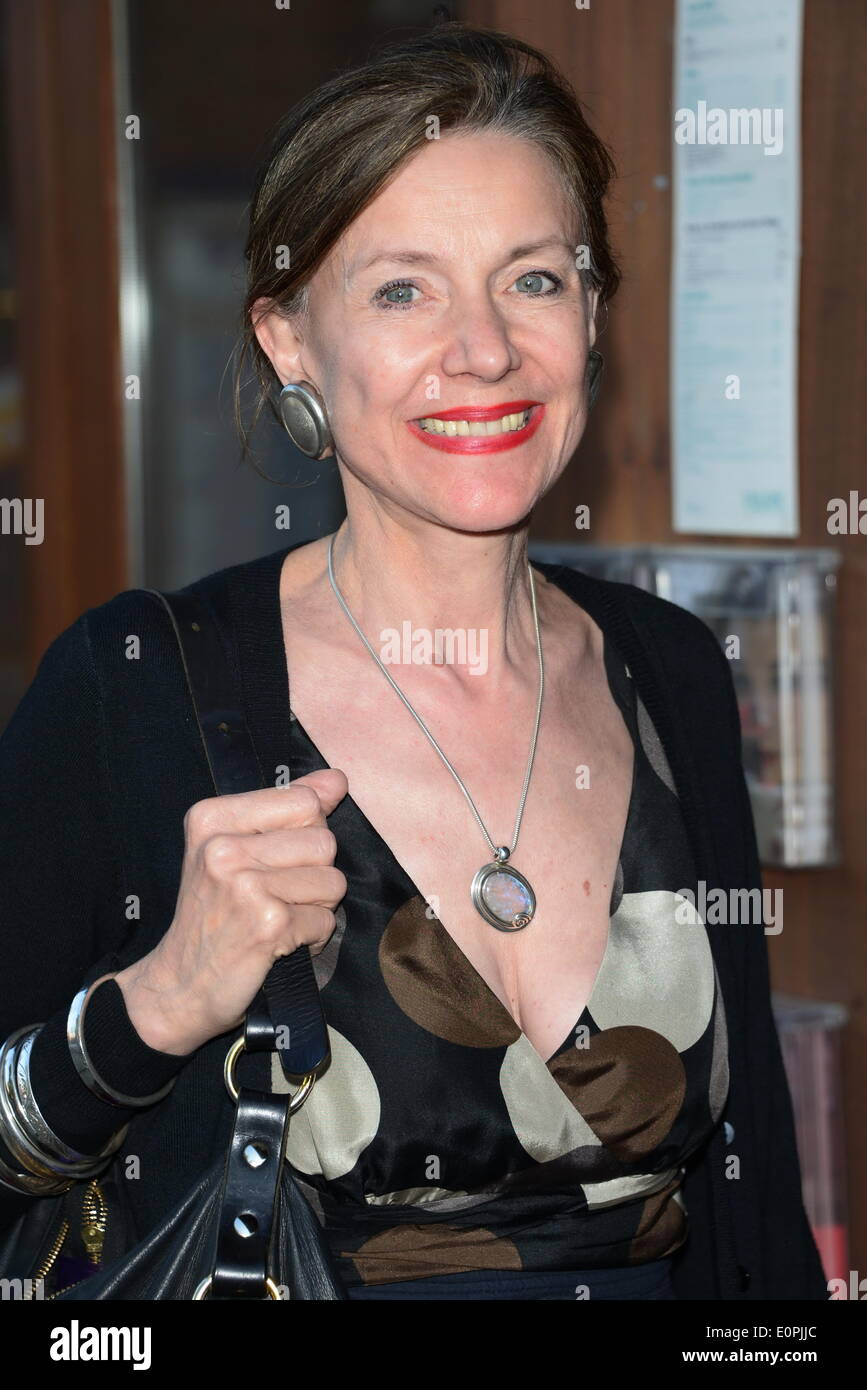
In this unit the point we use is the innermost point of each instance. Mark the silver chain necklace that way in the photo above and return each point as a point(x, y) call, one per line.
point(501, 894)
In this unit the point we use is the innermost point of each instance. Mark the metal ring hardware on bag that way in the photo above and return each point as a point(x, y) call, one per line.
point(203, 1288)
point(251, 1184)
point(286, 1007)
point(238, 1046)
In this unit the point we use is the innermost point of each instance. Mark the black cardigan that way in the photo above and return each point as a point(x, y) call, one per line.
point(99, 764)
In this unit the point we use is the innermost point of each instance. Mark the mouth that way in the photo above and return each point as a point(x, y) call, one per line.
point(479, 429)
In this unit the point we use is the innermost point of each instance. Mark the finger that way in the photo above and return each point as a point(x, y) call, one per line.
point(297, 803)
point(312, 926)
point(320, 885)
point(289, 849)
point(329, 783)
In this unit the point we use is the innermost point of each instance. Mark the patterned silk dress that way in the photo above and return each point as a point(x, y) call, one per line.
point(439, 1141)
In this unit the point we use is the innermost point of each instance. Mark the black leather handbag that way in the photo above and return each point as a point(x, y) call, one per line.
point(245, 1228)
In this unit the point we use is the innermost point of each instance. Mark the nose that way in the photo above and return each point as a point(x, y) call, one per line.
point(477, 339)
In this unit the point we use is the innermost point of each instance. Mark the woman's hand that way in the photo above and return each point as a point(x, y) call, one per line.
point(257, 881)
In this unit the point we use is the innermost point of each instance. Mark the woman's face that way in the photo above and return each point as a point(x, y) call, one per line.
point(454, 292)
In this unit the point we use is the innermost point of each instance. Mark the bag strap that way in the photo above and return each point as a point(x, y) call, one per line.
point(285, 1016)
point(290, 987)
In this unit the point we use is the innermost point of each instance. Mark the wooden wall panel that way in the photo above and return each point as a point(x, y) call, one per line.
point(62, 131)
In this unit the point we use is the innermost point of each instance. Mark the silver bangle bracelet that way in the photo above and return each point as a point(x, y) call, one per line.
point(83, 1064)
point(29, 1182)
point(10, 1129)
point(32, 1185)
point(32, 1119)
point(14, 1130)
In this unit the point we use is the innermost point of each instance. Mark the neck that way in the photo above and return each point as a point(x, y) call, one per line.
point(415, 580)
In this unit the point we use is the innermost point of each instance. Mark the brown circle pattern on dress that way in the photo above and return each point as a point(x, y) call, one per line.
point(431, 980)
point(662, 1226)
point(414, 1252)
point(628, 1084)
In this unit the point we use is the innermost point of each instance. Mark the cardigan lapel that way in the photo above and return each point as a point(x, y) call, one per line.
point(679, 689)
point(671, 690)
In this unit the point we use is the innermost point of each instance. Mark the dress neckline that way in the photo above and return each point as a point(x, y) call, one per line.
point(396, 868)
point(619, 683)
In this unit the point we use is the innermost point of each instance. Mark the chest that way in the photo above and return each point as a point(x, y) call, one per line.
point(571, 829)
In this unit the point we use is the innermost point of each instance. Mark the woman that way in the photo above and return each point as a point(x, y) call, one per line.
point(534, 1053)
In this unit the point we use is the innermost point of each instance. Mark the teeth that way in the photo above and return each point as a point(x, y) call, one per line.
point(476, 428)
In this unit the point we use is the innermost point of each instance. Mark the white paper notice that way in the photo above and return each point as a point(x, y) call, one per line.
point(735, 269)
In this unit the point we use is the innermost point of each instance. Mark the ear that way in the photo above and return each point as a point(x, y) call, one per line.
point(279, 339)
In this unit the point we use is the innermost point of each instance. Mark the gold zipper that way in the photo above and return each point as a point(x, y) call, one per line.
point(51, 1256)
point(68, 1287)
point(94, 1217)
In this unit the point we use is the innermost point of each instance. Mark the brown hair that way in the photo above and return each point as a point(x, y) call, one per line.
point(336, 149)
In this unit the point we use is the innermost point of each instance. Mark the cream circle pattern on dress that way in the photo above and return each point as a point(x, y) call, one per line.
point(657, 941)
point(340, 1116)
point(545, 1121)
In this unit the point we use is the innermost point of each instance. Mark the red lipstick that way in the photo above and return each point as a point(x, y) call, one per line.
point(480, 444)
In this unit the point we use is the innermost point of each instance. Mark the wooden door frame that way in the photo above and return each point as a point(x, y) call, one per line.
point(63, 132)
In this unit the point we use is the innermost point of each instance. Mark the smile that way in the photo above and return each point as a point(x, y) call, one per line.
point(479, 429)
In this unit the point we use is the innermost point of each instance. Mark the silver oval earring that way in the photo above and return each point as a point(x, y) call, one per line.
point(302, 411)
point(595, 363)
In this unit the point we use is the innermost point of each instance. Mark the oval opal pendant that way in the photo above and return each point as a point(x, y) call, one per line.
point(503, 896)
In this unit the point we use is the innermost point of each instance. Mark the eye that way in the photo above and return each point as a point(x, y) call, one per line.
point(534, 276)
point(395, 287)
